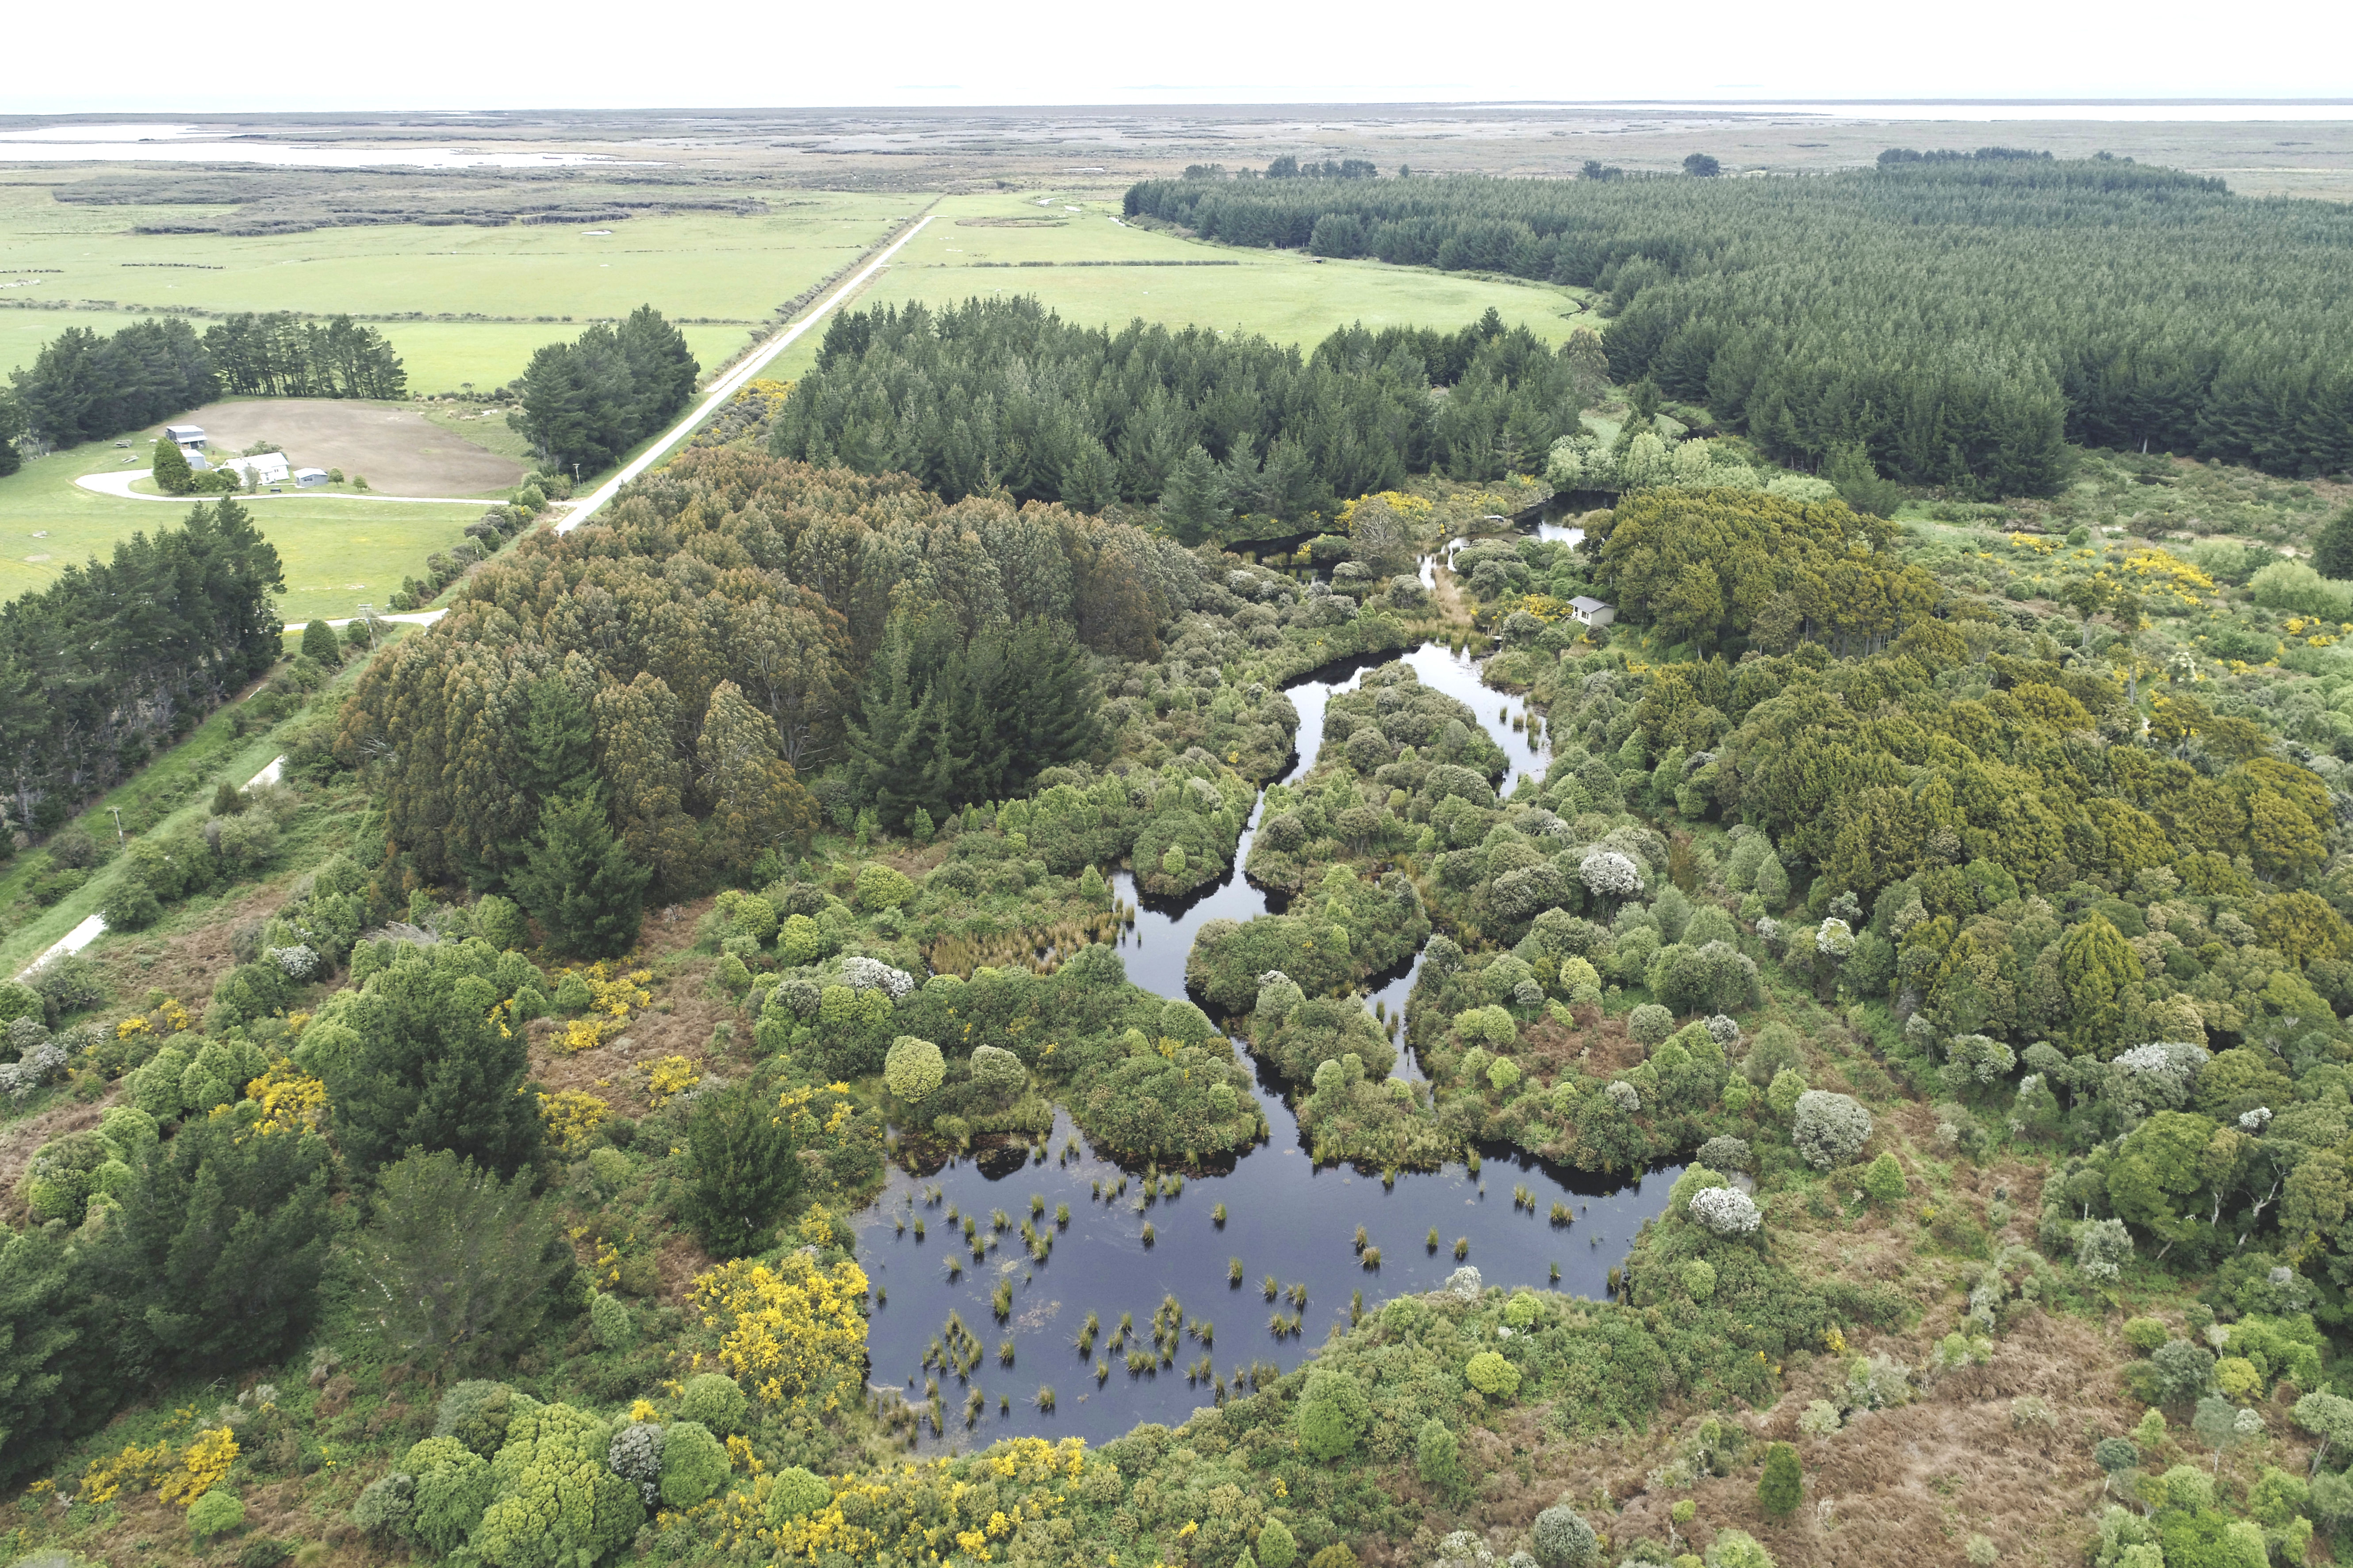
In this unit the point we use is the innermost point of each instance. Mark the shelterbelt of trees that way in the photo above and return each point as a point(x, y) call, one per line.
point(85, 387)
point(1003, 394)
point(1962, 318)
point(116, 657)
point(741, 615)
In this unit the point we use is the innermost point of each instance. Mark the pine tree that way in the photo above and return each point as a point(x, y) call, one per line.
point(2332, 552)
point(319, 646)
point(1053, 709)
point(215, 1258)
point(882, 737)
point(456, 1264)
point(580, 884)
point(1188, 506)
point(744, 1172)
point(173, 477)
point(557, 756)
point(40, 1409)
point(433, 1068)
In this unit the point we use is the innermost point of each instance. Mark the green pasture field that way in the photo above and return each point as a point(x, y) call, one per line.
point(1288, 296)
point(337, 553)
point(443, 356)
point(735, 270)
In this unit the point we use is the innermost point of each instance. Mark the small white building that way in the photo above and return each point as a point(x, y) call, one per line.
point(267, 469)
point(189, 438)
point(1592, 611)
point(307, 478)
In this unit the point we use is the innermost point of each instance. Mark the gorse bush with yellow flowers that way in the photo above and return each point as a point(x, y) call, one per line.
point(787, 1329)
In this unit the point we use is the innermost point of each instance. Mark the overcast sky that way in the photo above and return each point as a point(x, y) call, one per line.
point(146, 56)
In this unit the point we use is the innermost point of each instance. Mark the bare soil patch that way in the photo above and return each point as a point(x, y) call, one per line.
point(398, 450)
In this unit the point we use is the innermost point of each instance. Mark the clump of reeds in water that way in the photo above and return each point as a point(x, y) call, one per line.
point(1045, 1399)
point(1233, 1271)
point(1272, 1286)
point(1004, 1353)
point(1363, 1237)
point(1147, 1233)
point(1461, 1247)
point(1560, 1214)
point(1217, 1217)
point(1523, 1199)
point(1432, 1242)
point(1371, 1257)
point(1061, 1216)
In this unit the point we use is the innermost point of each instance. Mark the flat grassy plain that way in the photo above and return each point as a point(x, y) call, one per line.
point(1031, 244)
point(735, 269)
point(337, 553)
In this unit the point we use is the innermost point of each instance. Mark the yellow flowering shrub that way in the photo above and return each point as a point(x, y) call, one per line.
point(969, 1506)
point(291, 1101)
point(1413, 509)
point(610, 1000)
point(669, 1076)
point(203, 1465)
point(135, 1468)
point(571, 1116)
point(133, 1026)
point(784, 1329)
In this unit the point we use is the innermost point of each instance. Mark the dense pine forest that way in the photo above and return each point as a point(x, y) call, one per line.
point(1864, 1037)
point(1001, 393)
point(1962, 319)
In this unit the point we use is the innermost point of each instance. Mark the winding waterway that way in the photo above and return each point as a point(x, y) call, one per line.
point(1285, 1216)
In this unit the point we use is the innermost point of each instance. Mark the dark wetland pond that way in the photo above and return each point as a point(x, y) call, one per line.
point(1173, 1326)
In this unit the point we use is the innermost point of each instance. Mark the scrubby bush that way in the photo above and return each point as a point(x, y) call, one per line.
point(881, 888)
point(1333, 1414)
point(1438, 1459)
point(217, 1513)
point(1737, 1548)
point(555, 1499)
point(477, 1413)
point(913, 1068)
point(1492, 1375)
point(1650, 1023)
point(610, 1319)
point(1831, 1129)
point(715, 1400)
point(451, 1488)
point(1883, 1180)
point(796, 1493)
point(1276, 1546)
point(636, 1456)
point(1782, 1481)
point(384, 1505)
point(1562, 1539)
point(499, 922)
point(693, 1464)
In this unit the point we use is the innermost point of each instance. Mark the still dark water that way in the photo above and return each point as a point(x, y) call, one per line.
point(1284, 1215)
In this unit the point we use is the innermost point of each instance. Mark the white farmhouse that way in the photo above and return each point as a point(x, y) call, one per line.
point(267, 469)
